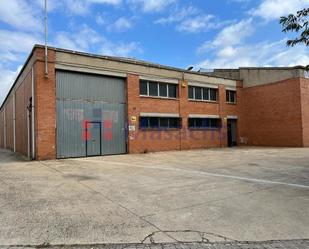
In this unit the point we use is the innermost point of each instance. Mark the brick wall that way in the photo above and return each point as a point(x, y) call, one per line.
point(1, 129)
point(304, 87)
point(148, 141)
point(271, 114)
point(9, 123)
point(22, 100)
point(45, 103)
point(22, 93)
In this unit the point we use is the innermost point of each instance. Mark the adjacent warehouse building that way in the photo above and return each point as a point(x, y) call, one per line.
point(90, 105)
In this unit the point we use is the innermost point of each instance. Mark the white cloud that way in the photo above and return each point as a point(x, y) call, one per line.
point(231, 35)
point(120, 49)
point(150, 5)
point(189, 19)
point(100, 19)
point(121, 24)
point(7, 78)
point(17, 42)
point(196, 24)
point(178, 15)
point(229, 49)
point(20, 14)
point(89, 40)
point(14, 47)
point(259, 54)
point(78, 7)
point(274, 9)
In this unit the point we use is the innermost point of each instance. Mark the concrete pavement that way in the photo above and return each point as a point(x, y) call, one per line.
point(223, 195)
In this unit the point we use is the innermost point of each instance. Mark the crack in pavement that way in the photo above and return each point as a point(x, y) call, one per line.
point(271, 244)
point(203, 236)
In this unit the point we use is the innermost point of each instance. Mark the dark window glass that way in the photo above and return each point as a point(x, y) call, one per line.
point(154, 122)
point(143, 87)
point(198, 93)
point(143, 122)
point(214, 123)
point(191, 123)
point(213, 94)
point(157, 123)
point(163, 89)
point(163, 122)
point(231, 96)
point(172, 90)
point(191, 96)
point(198, 123)
point(204, 123)
point(153, 89)
point(174, 123)
point(206, 94)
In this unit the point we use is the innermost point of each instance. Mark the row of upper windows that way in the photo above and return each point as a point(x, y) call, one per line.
point(166, 90)
point(158, 89)
point(176, 123)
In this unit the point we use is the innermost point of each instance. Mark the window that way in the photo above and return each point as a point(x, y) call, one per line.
point(163, 89)
point(153, 89)
point(213, 94)
point(191, 92)
point(172, 91)
point(160, 123)
point(203, 93)
point(204, 123)
point(198, 93)
point(143, 88)
point(230, 96)
point(158, 89)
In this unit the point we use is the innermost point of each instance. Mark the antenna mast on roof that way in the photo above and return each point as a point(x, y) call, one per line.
point(46, 50)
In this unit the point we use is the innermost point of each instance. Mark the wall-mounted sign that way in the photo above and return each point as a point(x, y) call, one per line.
point(133, 118)
point(131, 127)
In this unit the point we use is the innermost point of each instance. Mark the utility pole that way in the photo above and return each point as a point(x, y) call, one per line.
point(46, 49)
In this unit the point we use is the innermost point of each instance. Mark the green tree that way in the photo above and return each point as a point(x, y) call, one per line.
point(297, 23)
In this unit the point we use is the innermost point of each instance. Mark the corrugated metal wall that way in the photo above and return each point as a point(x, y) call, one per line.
point(82, 99)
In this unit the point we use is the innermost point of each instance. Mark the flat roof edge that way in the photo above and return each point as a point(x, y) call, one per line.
point(263, 68)
point(129, 61)
point(18, 76)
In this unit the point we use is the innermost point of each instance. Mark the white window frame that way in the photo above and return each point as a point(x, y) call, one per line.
point(229, 91)
point(158, 90)
point(203, 100)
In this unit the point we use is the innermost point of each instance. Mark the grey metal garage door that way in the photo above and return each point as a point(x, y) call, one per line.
point(90, 115)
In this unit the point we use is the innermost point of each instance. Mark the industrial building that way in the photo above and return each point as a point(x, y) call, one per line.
point(91, 105)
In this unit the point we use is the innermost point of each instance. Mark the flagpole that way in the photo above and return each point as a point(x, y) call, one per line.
point(46, 50)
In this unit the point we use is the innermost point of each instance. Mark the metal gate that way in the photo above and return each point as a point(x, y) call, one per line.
point(90, 115)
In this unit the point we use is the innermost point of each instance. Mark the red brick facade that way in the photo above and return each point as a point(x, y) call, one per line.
point(304, 91)
point(179, 139)
point(45, 102)
point(271, 114)
point(274, 114)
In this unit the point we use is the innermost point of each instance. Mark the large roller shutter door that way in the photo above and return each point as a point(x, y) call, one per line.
point(90, 115)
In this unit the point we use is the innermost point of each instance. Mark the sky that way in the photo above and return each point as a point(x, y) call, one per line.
point(201, 33)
